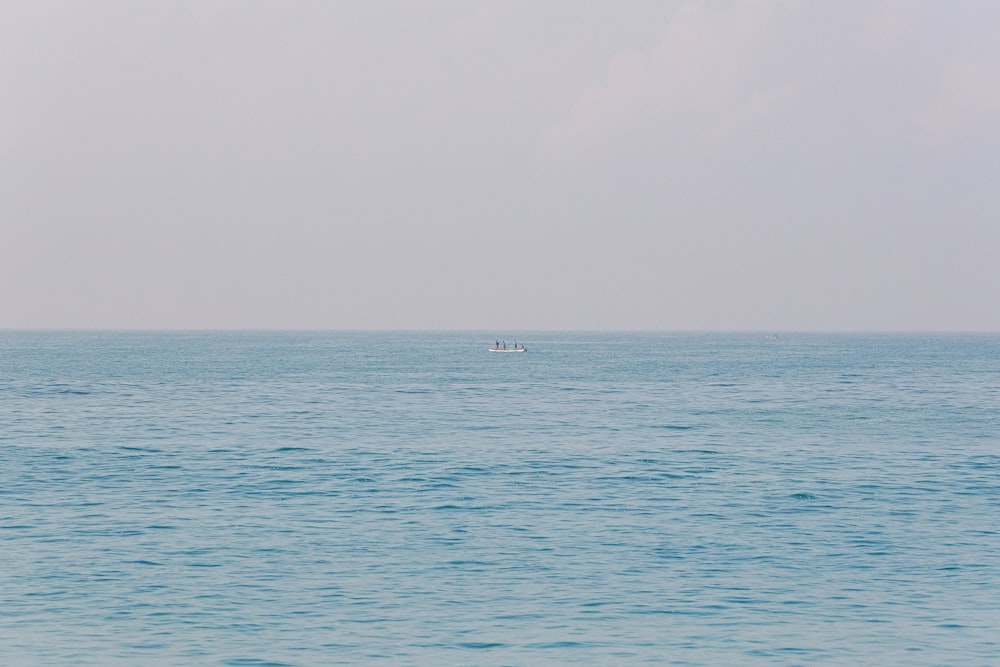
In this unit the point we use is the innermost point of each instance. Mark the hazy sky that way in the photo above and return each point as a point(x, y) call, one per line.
point(511, 165)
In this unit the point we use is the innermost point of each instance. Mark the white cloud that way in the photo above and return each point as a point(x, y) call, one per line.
point(888, 23)
point(698, 62)
point(967, 100)
point(630, 82)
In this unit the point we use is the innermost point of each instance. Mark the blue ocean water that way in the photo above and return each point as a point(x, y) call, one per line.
point(332, 498)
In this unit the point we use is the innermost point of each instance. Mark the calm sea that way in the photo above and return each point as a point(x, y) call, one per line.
point(412, 499)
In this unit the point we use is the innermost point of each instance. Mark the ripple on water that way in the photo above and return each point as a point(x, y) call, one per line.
point(344, 498)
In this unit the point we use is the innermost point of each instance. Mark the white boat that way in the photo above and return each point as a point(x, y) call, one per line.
point(520, 349)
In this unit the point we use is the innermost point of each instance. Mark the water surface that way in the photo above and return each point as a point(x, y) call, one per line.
point(411, 499)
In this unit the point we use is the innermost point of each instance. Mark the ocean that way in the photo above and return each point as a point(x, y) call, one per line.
point(371, 498)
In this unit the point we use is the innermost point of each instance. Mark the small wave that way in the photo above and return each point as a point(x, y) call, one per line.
point(561, 644)
point(54, 390)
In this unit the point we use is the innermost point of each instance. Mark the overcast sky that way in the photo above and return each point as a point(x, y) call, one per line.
point(514, 165)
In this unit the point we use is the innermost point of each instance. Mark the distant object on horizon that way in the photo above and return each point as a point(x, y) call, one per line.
point(502, 347)
point(771, 337)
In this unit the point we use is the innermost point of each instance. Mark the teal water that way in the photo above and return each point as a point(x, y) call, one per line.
point(411, 499)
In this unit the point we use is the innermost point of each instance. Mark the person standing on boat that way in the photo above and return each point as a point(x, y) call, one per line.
point(505, 345)
point(496, 345)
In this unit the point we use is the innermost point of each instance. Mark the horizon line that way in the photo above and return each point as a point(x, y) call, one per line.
point(484, 330)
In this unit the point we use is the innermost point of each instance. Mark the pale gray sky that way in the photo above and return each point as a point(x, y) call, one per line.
point(511, 165)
